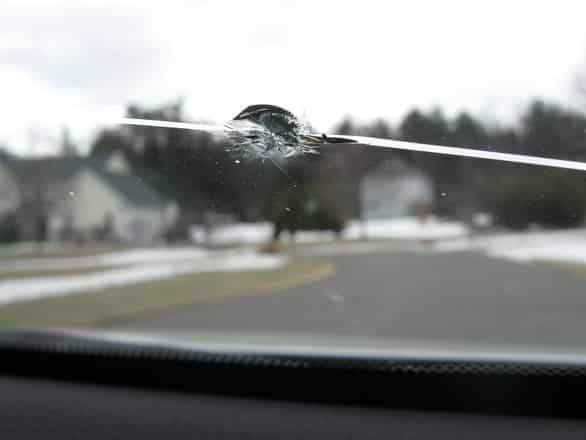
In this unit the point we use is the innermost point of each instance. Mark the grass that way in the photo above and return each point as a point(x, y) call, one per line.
point(103, 307)
point(575, 268)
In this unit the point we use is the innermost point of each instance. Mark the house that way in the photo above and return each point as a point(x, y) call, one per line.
point(83, 198)
point(392, 188)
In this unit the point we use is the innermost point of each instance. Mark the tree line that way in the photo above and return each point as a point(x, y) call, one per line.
point(517, 195)
point(202, 174)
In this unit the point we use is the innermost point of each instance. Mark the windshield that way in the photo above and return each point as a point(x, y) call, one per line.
point(279, 170)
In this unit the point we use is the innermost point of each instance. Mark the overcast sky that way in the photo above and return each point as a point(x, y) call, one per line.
point(79, 63)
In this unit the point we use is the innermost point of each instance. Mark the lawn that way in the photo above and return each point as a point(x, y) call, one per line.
point(578, 269)
point(100, 308)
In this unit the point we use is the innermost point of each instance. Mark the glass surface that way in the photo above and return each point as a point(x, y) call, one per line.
point(304, 216)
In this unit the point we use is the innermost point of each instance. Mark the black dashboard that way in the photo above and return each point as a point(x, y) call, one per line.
point(71, 386)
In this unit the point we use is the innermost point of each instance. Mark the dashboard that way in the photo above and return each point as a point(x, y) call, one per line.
point(74, 386)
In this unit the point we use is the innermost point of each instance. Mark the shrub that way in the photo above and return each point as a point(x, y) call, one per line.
point(9, 231)
point(549, 199)
point(306, 209)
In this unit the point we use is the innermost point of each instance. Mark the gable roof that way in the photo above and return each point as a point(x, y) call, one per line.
point(48, 169)
point(133, 188)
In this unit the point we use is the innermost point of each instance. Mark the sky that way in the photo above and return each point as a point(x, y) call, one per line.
point(77, 64)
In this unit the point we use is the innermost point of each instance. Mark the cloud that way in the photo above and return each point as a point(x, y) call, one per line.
point(64, 65)
point(99, 49)
point(75, 62)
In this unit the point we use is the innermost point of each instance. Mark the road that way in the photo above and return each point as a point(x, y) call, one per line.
point(448, 296)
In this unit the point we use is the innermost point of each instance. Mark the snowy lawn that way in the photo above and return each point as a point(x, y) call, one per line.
point(568, 246)
point(42, 287)
point(233, 234)
point(121, 258)
point(408, 228)
point(149, 295)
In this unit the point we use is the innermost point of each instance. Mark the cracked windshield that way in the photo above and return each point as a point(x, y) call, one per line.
point(296, 172)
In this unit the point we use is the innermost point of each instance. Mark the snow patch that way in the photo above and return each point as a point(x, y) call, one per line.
point(568, 250)
point(564, 246)
point(408, 228)
point(121, 258)
point(233, 234)
point(36, 288)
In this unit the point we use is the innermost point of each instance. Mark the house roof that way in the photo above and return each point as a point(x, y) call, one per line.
point(47, 169)
point(133, 188)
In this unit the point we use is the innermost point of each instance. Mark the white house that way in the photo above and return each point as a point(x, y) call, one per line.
point(394, 189)
point(83, 198)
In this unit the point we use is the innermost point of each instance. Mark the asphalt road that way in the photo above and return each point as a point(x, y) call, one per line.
point(448, 296)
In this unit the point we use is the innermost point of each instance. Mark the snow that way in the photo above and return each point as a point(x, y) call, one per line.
point(102, 260)
point(563, 246)
point(312, 236)
point(34, 288)
point(569, 247)
point(407, 228)
point(233, 234)
point(562, 252)
point(440, 236)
